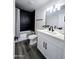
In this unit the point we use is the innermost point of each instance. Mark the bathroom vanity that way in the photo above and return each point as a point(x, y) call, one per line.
point(51, 44)
point(51, 41)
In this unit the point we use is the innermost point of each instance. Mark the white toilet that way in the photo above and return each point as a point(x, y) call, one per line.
point(33, 39)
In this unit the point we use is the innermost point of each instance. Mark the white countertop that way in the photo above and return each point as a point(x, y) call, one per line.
point(60, 31)
point(55, 34)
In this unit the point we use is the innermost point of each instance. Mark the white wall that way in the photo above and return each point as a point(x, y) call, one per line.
point(39, 14)
point(17, 22)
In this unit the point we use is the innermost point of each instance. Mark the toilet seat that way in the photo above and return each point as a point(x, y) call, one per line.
point(33, 36)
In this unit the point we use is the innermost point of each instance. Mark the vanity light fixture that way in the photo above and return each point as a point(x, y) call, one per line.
point(58, 6)
point(49, 9)
point(54, 8)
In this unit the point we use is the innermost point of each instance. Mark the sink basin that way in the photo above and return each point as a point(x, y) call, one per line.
point(54, 32)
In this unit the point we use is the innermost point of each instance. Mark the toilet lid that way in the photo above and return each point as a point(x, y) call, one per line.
point(33, 36)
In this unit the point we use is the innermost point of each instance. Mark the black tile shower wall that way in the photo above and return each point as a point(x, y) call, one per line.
point(27, 20)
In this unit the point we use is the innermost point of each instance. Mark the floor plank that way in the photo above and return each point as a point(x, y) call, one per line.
point(22, 51)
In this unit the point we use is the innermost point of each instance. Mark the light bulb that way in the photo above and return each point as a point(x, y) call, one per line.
point(57, 6)
point(54, 9)
point(51, 8)
point(48, 9)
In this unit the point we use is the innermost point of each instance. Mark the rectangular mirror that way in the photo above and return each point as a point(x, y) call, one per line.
point(56, 18)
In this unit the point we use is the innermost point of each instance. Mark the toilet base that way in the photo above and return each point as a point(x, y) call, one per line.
point(32, 43)
point(27, 42)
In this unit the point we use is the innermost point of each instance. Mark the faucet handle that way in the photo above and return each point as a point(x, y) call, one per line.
point(49, 28)
point(52, 28)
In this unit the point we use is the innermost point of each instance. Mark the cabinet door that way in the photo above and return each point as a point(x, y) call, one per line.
point(53, 52)
point(41, 46)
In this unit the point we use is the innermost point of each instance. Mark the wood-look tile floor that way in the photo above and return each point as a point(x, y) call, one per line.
point(22, 51)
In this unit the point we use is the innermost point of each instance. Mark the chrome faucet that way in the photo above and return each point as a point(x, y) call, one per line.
point(51, 28)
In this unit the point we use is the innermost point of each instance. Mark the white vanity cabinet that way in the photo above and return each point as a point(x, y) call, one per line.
point(50, 47)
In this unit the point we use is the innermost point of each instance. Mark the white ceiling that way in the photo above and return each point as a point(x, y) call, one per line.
point(31, 5)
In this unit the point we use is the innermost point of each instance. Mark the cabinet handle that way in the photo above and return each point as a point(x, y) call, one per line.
point(45, 45)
